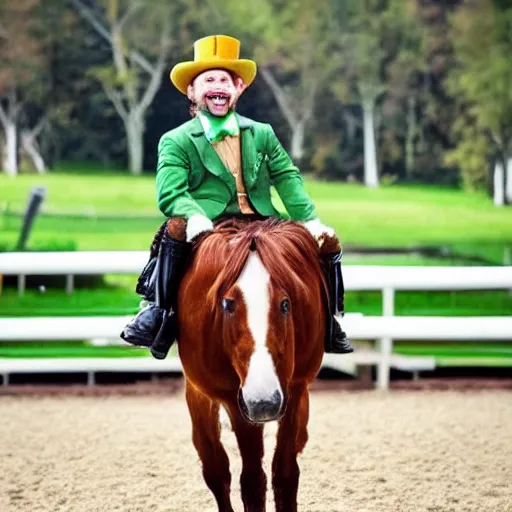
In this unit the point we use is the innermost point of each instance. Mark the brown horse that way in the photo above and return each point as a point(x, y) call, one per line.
point(252, 326)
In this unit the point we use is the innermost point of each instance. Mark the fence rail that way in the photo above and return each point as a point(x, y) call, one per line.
point(357, 277)
point(372, 328)
point(382, 330)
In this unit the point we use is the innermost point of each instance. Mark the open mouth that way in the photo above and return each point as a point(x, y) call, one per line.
point(219, 99)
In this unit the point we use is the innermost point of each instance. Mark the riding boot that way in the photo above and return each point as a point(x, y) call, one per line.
point(156, 325)
point(336, 340)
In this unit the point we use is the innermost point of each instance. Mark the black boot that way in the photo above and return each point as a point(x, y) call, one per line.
point(156, 325)
point(336, 340)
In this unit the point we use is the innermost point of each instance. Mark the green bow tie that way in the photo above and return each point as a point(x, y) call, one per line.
point(216, 128)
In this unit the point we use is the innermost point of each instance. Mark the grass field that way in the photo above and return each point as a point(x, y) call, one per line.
point(393, 216)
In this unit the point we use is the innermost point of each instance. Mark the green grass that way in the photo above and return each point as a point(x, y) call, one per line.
point(83, 302)
point(124, 301)
point(460, 354)
point(396, 216)
point(67, 349)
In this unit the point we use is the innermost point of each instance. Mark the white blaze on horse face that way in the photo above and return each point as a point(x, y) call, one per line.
point(254, 281)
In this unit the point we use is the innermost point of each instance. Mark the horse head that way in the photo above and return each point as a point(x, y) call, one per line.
point(261, 324)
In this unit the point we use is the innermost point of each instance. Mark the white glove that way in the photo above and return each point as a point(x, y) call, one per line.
point(198, 224)
point(317, 229)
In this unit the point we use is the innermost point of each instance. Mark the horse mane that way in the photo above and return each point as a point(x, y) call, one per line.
point(287, 250)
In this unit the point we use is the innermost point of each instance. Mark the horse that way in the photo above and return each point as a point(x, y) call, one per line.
point(252, 322)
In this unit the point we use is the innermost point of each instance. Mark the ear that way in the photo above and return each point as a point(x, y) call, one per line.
point(190, 92)
point(239, 85)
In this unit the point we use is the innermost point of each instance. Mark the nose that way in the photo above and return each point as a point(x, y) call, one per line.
point(263, 409)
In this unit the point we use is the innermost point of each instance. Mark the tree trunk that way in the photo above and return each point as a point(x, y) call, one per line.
point(410, 135)
point(371, 177)
point(30, 146)
point(10, 157)
point(508, 182)
point(297, 146)
point(499, 189)
point(135, 139)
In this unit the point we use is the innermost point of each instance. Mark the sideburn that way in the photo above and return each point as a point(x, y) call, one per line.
point(192, 108)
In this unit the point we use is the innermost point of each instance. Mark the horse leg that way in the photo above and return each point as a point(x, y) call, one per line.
point(291, 439)
point(206, 438)
point(253, 481)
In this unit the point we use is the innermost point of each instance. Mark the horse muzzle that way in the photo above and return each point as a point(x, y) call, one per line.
point(263, 409)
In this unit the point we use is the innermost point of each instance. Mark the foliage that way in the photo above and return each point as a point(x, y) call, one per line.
point(438, 75)
point(471, 154)
point(482, 81)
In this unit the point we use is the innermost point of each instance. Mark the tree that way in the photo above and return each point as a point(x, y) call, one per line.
point(295, 63)
point(359, 25)
point(132, 80)
point(482, 81)
point(406, 82)
point(289, 41)
point(21, 60)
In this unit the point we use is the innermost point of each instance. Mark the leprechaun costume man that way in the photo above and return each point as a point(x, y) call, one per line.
point(220, 164)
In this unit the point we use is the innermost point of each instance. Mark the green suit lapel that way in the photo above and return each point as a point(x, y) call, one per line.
point(248, 148)
point(209, 156)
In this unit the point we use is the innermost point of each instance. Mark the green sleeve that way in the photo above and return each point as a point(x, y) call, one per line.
point(287, 181)
point(172, 189)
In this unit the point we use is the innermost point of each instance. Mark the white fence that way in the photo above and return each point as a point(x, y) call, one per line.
point(381, 329)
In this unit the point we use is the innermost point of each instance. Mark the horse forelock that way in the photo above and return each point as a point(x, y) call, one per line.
point(286, 249)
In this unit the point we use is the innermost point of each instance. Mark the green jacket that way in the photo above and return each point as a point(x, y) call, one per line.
point(191, 177)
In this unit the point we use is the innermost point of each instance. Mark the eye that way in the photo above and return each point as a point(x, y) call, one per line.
point(228, 305)
point(285, 306)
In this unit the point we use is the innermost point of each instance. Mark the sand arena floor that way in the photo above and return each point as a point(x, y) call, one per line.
point(406, 451)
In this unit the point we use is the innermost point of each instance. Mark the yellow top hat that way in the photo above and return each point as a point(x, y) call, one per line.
point(213, 52)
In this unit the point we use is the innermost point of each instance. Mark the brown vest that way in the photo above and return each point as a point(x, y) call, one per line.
point(229, 152)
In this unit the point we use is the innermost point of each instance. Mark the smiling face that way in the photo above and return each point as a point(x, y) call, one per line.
point(215, 90)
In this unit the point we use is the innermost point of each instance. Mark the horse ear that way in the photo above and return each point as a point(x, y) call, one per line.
point(252, 247)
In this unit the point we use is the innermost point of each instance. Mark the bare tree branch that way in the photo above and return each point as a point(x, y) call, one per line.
point(153, 86)
point(122, 69)
point(3, 32)
point(156, 76)
point(85, 12)
point(117, 101)
point(89, 16)
point(3, 116)
point(36, 130)
point(128, 14)
point(310, 102)
point(280, 96)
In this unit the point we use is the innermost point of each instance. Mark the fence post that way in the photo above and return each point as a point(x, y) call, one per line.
point(383, 369)
point(22, 284)
point(386, 344)
point(388, 301)
point(70, 284)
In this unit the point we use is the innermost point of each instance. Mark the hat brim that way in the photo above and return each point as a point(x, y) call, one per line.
point(184, 73)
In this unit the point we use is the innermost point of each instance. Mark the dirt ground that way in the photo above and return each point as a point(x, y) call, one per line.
point(404, 451)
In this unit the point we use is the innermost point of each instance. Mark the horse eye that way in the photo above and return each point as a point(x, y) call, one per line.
point(285, 306)
point(228, 305)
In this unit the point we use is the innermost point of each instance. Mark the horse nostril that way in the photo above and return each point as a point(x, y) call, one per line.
point(261, 410)
point(276, 398)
